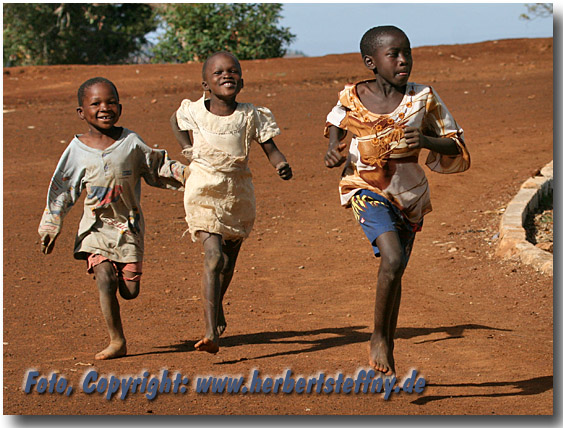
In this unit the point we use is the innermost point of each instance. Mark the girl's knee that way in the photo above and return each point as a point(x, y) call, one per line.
point(214, 260)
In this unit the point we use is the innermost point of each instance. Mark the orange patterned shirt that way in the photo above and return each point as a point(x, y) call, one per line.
point(379, 158)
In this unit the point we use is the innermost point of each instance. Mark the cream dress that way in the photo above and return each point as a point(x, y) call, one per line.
point(219, 194)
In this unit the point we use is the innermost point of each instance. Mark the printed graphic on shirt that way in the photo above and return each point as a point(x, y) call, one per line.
point(105, 195)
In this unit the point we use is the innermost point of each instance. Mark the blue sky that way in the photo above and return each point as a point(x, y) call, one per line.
point(336, 28)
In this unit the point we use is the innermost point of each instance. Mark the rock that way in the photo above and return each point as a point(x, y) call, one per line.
point(545, 246)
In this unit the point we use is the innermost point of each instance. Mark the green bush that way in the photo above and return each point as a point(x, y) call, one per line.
point(194, 31)
point(74, 33)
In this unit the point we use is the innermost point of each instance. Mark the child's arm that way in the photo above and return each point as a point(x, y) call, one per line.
point(416, 139)
point(159, 170)
point(183, 137)
point(64, 190)
point(334, 155)
point(442, 136)
point(277, 159)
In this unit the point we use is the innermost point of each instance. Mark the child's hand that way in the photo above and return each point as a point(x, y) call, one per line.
point(414, 138)
point(47, 242)
point(284, 170)
point(334, 156)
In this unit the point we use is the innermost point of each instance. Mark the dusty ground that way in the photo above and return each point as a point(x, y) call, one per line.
point(479, 329)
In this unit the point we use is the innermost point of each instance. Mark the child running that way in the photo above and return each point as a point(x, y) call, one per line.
point(216, 133)
point(108, 161)
point(391, 120)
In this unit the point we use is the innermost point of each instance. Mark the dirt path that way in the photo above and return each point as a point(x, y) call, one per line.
point(479, 329)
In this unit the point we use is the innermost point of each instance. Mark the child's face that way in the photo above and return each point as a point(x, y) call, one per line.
point(392, 60)
point(223, 77)
point(100, 107)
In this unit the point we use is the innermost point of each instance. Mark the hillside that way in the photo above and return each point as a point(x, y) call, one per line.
point(479, 329)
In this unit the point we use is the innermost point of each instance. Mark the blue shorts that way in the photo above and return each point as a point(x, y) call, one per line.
point(378, 215)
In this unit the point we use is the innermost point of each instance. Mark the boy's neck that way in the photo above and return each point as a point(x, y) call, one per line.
point(387, 89)
point(101, 139)
point(381, 97)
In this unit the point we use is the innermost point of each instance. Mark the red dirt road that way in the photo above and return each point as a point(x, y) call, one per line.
point(479, 329)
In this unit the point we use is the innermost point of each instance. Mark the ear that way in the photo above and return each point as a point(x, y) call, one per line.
point(370, 63)
point(241, 83)
point(80, 112)
point(205, 85)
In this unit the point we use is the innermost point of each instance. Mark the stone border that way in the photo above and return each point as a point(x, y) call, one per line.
point(512, 235)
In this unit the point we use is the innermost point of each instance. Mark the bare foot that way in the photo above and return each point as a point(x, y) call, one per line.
point(207, 345)
point(114, 350)
point(221, 322)
point(379, 357)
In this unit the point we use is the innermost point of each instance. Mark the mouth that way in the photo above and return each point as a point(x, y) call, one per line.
point(229, 84)
point(105, 117)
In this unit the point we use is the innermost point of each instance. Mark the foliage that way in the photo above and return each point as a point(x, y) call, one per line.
point(74, 33)
point(537, 10)
point(194, 31)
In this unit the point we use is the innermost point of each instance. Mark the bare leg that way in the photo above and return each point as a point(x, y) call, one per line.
point(393, 326)
point(387, 301)
point(128, 289)
point(231, 250)
point(211, 290)
point(106, 280)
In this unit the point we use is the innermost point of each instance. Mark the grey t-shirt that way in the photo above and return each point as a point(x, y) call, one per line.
point(112, 223)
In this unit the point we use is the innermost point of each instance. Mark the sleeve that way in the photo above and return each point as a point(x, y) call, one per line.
point(439, 122)
point(336, 117)
point(159, 170)
point(64, 190)
point(266, 126)
point(184, 117)
point(185, 122)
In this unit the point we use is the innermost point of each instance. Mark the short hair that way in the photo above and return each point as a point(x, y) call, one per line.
point(204, 68)
point(371, 40)
point(91, 82)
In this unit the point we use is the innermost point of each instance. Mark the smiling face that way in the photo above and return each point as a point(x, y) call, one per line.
point(100, 107)
point(391, 60)
point(222, 77)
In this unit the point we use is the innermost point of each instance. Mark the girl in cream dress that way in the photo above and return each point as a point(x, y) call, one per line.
point(216, 133)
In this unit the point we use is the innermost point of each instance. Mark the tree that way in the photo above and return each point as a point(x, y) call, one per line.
point(194, 31)
point(537, 10)
point(74, 33)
